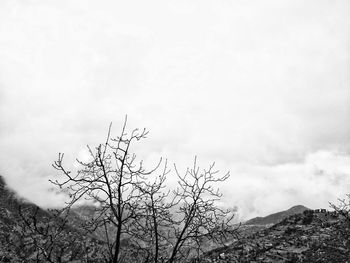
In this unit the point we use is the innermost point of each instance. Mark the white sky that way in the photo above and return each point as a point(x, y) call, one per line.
point(261, 87)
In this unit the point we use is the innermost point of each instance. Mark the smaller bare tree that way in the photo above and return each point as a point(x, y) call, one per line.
point(343, 208)
point(153, 230)
point(183, 223)
point(199, 220)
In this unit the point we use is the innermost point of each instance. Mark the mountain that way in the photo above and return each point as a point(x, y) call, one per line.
point(25, 225)
point(10, 204)
point(277, 217)
point(312, 236)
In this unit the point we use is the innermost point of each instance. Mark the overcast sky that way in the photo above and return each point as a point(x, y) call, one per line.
point(260, 87)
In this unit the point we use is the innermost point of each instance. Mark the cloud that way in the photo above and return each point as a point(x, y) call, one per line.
point(259, 87)
point(320, 178)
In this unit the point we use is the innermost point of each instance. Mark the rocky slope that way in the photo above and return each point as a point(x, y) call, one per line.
point(17, 240)
point(312, 236)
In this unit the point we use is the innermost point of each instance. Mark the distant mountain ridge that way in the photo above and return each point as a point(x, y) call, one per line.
point(277, 217)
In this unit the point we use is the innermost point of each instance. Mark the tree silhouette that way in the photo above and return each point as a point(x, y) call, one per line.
point(343, 208)
point(141, 219)
point(200, 220)
point(112, 180)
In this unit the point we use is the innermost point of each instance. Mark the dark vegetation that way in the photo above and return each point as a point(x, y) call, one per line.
point(31, 234)
point(312, 236)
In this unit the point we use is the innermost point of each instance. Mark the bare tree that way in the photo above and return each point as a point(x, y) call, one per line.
point(153, 230)
point(343, 208)
point(199, 219)
point(179, 225)
point(139, 216)
point(113, 181)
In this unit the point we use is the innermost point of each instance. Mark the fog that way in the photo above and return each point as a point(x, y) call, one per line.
point(260, 87)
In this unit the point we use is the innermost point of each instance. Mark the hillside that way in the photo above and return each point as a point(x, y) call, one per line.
point(64, 236)
point(9, 208)
point(313, 236)
point(277, 217)
point(52, 232)
point(9, 219)
point(294, 235)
